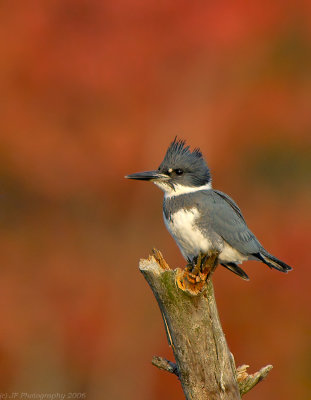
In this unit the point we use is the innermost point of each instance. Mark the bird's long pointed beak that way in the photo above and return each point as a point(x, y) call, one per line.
point(147, 176)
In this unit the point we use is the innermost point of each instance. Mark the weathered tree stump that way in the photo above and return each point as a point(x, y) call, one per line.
point(204, 364)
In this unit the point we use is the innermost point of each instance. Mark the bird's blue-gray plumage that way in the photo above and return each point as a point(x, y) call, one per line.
point(220, 219)
point(201, 219)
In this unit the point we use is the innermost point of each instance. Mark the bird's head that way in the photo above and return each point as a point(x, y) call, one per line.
point(181, 171)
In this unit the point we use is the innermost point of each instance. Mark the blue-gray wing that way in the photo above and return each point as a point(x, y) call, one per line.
point(224, 217)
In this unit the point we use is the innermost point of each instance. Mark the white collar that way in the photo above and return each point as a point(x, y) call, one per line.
point(180, 189)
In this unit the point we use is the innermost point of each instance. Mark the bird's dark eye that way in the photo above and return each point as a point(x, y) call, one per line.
point(179, 171)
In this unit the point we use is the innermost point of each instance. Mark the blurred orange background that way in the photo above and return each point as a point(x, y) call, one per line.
point(93, 90)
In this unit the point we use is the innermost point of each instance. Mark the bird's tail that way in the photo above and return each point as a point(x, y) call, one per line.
point(236, 270)
point(272, 261)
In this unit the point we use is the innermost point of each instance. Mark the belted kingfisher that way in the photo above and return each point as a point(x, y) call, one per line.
point(200, 218)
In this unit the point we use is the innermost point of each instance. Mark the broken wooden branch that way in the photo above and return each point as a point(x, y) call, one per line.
point(204, 364)
point(247, 382)
point(166, 365)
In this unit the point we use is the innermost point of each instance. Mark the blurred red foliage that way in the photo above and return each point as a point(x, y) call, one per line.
point(94, 90)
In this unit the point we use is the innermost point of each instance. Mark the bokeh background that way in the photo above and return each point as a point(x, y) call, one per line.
point(93, 90)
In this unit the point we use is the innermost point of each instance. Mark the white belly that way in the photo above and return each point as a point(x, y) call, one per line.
point(192, 242)
point(189, 239)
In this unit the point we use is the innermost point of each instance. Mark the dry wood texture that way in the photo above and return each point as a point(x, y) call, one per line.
point(204, 363)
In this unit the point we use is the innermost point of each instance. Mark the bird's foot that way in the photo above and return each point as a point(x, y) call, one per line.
point(209, 263)
point(194, 276)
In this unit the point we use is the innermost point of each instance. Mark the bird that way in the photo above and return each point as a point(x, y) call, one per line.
point(200, 218)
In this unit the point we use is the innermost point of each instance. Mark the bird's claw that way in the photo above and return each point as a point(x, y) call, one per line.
point(194, 276)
